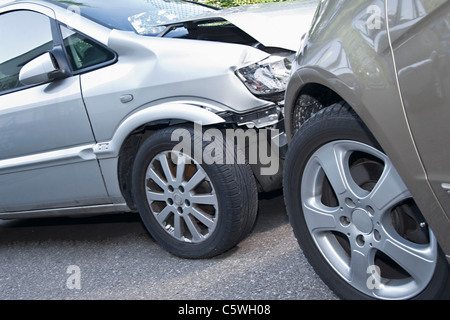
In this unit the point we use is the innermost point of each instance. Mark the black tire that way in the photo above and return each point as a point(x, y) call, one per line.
point(352, 231)
point(230, 208)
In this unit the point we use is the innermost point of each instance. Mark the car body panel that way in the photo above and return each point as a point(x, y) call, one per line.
point(356, 61)
point(37, 125)
point(186, 111)
point(143, 60)
point(422, 60)
point(424, 76)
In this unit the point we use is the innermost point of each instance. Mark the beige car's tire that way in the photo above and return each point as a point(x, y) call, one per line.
point(354, 217)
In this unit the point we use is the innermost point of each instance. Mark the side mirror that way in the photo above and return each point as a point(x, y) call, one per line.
point(40, 70)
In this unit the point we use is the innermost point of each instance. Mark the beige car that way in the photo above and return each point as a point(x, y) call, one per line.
point(367, 175)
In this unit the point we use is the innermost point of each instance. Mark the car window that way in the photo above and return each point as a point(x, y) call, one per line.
point(84, 52)
point(24, 35)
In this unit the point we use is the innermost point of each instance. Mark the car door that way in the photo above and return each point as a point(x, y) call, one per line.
point(46, 141)
point(420, 32)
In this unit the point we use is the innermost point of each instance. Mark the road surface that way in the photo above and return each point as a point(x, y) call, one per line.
point(113, 257)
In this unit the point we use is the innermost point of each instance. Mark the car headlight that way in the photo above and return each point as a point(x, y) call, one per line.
point(269, 77)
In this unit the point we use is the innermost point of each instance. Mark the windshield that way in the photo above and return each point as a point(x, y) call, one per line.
point(140, 16)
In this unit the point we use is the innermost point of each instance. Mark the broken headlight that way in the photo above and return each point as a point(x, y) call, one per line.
point(269, 77)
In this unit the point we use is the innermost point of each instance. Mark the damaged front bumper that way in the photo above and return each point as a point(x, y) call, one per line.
point(263, 139)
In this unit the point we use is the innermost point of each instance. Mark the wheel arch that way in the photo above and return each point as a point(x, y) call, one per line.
point(138, 126)
point(321, 85)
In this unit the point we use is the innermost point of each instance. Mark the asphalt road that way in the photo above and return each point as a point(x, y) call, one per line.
point(113, 257)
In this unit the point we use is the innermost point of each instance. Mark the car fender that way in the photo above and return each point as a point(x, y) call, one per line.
point(311, 75)
point(166, 111)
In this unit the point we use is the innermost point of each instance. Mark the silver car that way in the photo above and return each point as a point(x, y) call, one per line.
point(367, 175)
point(96, 98)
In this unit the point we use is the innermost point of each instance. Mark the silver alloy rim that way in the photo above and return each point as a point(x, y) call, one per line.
point(181, 197)
point(358, 228)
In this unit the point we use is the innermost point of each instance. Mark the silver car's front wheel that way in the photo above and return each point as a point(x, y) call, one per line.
point(354, 217)
point(191, 208)
point(182, 197)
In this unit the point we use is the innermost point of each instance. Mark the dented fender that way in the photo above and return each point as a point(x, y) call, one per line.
point(166, 111)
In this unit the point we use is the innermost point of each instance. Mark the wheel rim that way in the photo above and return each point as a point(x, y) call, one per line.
point(363, 220)
point(181, 197)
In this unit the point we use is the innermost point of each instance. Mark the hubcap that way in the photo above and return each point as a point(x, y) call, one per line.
point(362, 220)
point(178, 199)
point(355, 204)
point(181, 197)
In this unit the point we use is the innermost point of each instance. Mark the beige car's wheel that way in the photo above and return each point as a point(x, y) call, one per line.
point(353, 215)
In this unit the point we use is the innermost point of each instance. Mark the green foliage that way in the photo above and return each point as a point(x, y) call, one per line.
point(233, 3)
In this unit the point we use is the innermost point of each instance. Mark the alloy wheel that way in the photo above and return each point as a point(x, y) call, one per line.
point(181, 197)
point(365, 223)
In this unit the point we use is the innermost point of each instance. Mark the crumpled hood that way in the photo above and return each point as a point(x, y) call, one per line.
point(280, 24)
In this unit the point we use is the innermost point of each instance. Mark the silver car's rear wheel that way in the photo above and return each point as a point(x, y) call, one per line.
point(354, 217)
point(182, 197)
